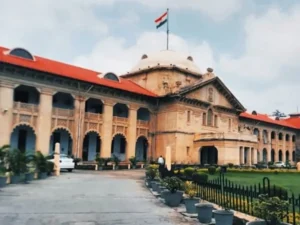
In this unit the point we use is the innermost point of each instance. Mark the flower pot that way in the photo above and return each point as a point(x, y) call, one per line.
point(154, 186)
point(15, 179)
point(262, 222)
point(116, 167)
point(223, 217)
point(3, 181)
point(204, 211)
point(162, 191)
point(133, 167)
point(160, 188)
point(190, 205)
point(29, 177)
point(173, 199)
point(148, 182)
point(100, 168)
point(42, 175)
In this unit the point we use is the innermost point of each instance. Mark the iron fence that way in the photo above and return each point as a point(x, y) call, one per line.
point(241, 198)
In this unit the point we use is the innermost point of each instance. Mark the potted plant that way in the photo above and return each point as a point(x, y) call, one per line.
point(100, 161)
point(41, 165)
point(173, 196)
point(205, 212)
point(17, 162)
point(3, 158)
point(271, 209)
point(151, 175)
point(116, 161)
point(223, 217)
point(30, 168)
point(50, 168)
point(190, 200)
point(133, 162)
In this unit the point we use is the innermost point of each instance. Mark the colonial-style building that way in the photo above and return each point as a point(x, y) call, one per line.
point(165, 100)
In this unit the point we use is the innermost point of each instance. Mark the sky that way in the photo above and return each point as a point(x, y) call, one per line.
point(252, 45)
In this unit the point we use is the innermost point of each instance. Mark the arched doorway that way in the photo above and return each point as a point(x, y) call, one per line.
point(63, 137)
point(141, 149)
point(265, 155)
point(208, 155)
point(272, 155)
point(280, 155)
point(23, 138)
point(118, 146)
point(287, 155)
point(91, 146)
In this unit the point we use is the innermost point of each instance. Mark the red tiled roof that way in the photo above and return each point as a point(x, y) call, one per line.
point(74, 72)
point(265, 118)
point(294, 121)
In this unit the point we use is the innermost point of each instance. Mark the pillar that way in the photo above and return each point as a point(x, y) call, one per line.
point(78, 132)
point(249, 156)
point(254, 156)
point(242, 156)
point(130, 151)
point(106, 136)
point(43, 130)
point(57, 159)
point(6, 111)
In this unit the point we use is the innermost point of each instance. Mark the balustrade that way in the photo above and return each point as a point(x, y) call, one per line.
point(93, 116)
point(26, 107)
point(58, 112)
point(121, 120)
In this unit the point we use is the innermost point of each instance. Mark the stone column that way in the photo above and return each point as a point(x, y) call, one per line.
point(78, 132)
point(242, 156)
point(57, 159)
point(43, 131)
point(107, 126)
point(249, 156)
point(6, 111)
point(254, 156)
point(131, 137)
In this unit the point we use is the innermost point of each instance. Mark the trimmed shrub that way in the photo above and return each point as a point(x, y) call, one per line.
point(188, 172)
point(211, 170)
point(230, 165)
point(199, 177)
point(277, 191)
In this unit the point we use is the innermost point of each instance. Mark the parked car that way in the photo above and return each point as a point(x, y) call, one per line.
point(279, 164)
point(66, 162)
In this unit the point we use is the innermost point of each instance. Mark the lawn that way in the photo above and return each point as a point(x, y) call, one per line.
point(286, 180)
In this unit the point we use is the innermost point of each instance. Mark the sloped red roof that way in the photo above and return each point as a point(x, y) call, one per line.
point(294, 121)
point(265, 118)
point(70, 71)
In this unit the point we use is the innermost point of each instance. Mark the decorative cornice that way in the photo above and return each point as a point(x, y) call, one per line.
point(173, 132)
point(222, 140)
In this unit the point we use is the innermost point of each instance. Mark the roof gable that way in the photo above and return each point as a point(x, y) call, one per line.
point(73, 72)
point(214, 92)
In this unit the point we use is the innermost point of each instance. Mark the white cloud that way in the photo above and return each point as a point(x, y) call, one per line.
point(216, 9)
point(111, 54)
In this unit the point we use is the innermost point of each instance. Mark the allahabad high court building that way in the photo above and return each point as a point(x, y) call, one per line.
point(165, 100)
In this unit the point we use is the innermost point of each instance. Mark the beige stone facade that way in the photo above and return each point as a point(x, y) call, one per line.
point(194, 113)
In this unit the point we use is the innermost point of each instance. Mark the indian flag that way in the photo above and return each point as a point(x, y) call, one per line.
point(161, 20)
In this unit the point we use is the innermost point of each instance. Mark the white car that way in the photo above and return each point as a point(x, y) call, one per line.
point(66, 162)
point(279, 164)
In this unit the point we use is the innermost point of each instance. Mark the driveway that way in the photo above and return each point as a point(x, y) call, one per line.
point(85, 198)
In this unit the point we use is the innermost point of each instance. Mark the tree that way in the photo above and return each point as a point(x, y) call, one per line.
point(278, 114)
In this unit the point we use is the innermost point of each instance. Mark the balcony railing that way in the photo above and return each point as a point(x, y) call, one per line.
point(26, 107)
point(121, 120)
point(142, 123)
point(62, 112)
point(93, 116)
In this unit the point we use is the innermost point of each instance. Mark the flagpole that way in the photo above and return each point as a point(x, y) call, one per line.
point(167, 28)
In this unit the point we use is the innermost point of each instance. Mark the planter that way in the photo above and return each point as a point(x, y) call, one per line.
point(154, 185)
point(204, 211)
point(100, 168)
point(173, 199)
point(3, 181)
point(223, 217)
point(261, 222)
point(160, 188)
point(15, 179)
point(29, 177)
point(190, 205)
point(116, 167)
point(162, 191)
point(133, 167)
point(42, 175)
point(148, 182)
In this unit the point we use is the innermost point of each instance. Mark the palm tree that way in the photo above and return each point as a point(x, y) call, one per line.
point(3, 158)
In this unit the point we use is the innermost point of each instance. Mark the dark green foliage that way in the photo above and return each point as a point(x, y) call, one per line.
point(277, 191)
point(200, 177)
point(173, 184)
point(133, 161)
point(40, 162)
point(230, 165)
point(100, 161)
point(188, 172)
point(50, 167)
point(116, 160)
point(17, 162)
point(212, 170)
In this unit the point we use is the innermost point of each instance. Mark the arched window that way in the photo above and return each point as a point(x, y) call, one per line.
point(20, 52)
point(209, 117)
point(216, 121)
point(111, 76)
point(204, 119)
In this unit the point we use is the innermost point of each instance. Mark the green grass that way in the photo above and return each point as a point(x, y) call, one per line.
point(289, 181)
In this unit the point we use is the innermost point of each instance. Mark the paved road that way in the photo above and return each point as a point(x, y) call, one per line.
point(85, 198)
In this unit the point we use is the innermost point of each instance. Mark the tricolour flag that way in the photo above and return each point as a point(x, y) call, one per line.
point(161, 20)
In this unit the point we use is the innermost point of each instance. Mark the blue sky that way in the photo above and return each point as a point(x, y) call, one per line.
point(253, 45)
